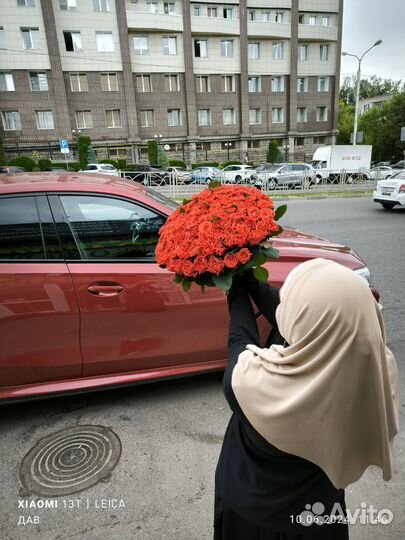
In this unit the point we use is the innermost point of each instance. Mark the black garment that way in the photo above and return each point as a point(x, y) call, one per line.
point(260, 490)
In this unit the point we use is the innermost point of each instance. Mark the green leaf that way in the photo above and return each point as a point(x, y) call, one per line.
point(271, 253)
point(186, 284)
point(178, 278)
point(259, 258)
point(214, 184)
point(261, 274)
point(281, 210)
point(223, 282)
point(185, 201)
point(182, 211)
point(280, 230)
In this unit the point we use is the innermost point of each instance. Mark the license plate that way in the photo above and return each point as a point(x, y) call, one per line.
point(386, 194)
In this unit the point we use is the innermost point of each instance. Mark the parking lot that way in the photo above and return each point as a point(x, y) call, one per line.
point(171, 432)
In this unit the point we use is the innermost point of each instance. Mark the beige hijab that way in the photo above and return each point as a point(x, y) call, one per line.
point(331, 397)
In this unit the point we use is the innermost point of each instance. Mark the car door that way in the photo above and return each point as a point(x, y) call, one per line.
point(133, 316)
point(39, 314)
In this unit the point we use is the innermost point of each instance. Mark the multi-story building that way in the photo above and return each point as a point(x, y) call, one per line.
point(210, 79)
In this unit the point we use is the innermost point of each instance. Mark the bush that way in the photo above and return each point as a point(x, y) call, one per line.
point(73, 165)
point(153, 151)
point(44, 164)
point(162, 157)
point(234, 162)
point(36, 169)
point(83, 143)
point(177, 163)
point(91, 155)
point(273, 153)
point(110, 162)
point(207, 164)
point(2, 153)
point(23, 161)
point(121, 163)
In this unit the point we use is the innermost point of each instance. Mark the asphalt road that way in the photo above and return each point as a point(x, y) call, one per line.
point(171, 432)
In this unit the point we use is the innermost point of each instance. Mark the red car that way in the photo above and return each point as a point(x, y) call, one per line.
point(83, 304)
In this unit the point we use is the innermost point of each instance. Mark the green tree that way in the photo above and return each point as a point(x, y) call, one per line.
point(369, 88)
point(83, 143)
point(162, 157)
point(2, 153)
point(273, 153)
point(346, 122)
point(91, 154)
point(153, 152)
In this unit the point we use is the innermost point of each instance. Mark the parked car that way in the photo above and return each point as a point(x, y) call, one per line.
point(287, 174)
point(151, 175)
point(391, 192)
point(236, 174)
point(92, 309)
point(11, 169)
point(205, 175)
point(104, 168)
point(381, 172)
point(181, 174)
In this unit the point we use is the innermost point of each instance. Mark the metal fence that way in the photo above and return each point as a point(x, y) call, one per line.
point(170, 185)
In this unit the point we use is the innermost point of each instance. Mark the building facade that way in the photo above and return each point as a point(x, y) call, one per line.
point(212, 80)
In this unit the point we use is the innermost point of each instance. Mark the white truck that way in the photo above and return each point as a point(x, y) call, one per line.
point(330, 162)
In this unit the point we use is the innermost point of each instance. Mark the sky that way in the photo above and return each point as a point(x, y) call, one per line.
point(366, 21)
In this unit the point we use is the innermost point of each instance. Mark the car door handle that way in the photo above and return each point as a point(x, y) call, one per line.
point(113, 289)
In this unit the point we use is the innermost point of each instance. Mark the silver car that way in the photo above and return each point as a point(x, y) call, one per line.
point(287, 175)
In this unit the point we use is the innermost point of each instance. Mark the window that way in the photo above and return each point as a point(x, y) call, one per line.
point(134, 6)
point(302, 115)
point(174, 117)
point(202, 84)
point(11, 120)
point(143, 83)
point(201, 48)
point(319, 140)
point(279, 16)
point(277, 115)
point(228, 13)
point(254, 143)
point(84, 120)
point(302, 84)
point(252, 15)
point(325, 20)
point(254, 51)
point(68, 5)
point(197, 11)
point(227, 48)
point(39, 82)
point(104, 42)
point(27, 3)
point(300, 141)
point(147, 118)
point(313, 19)
point(266, 16)
point(169, 8)
point(212, 12)
point(228, 116)
point(141, 45)
point(78, 82)
point(20, 230)
point(204, 117)
point(73, 41)
point(277, 84)
point(31, 38)
point(109, 82)
point(152, 7)
point(278, 51)
point(301, 18)
point(302, 53)
point(169, 45)
point(321, 114)
point(113, 118)
point(100, 5)
point(324, 52)
point(6, 82)
point(44, 119)
point(254, 84)
point(109, 228)
point(172, 83)
point(228, 83)
point(2, 38)
point(323, 84)
point(255, 116)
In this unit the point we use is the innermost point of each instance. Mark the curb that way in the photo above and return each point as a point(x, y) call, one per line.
point(322, 196)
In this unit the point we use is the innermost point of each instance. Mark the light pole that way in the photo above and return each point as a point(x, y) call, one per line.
point(286, 149)
point(356, 112)
point(228, 145)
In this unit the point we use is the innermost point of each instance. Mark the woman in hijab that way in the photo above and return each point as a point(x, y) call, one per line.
point(310, 413)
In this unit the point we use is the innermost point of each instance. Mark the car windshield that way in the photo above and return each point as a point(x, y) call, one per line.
point(399, 176)
point(158, 197)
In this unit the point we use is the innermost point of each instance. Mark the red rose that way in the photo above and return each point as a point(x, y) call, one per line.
point(231, 260)
point(215, 265)
point(244, 255)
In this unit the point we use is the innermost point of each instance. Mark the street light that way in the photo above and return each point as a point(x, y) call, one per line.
point(228, 145)
point(286, 149)
point(356, 112)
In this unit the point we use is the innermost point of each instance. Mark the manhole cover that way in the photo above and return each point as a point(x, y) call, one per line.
point(70, 460)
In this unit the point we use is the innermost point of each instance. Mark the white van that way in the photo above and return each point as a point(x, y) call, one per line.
point(330, 161)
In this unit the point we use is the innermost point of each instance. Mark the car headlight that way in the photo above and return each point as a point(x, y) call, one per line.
point(363, 272)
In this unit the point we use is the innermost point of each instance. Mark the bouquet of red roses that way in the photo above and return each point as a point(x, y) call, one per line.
point(219, 232)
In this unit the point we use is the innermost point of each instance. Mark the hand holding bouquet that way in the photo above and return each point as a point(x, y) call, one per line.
point(221, 231)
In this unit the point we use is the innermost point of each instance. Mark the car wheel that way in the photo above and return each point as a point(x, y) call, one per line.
point(272, 183)
point(238, 179)
point(388, 206)
point(208, 181)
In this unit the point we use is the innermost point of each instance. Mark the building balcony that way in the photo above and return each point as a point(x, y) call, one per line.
point(214, 25)
point(145, 22)
point(319, 5)
point(269, 29)
point(316, 32)
point(266, 4)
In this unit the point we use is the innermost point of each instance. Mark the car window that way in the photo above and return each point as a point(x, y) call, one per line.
point(20, 230)
point(90, 168)
point(109, 228)
point(107, 167)
point(286, 169)
point(249, 168)
point(297, 167)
